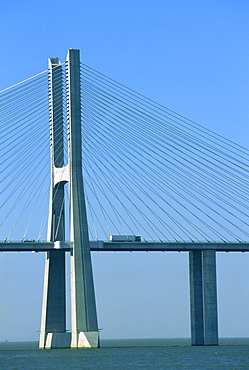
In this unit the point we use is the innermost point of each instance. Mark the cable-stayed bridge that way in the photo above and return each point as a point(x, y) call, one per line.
point(148, 172)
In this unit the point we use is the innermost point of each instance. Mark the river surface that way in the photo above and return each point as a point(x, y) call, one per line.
point(232, 354)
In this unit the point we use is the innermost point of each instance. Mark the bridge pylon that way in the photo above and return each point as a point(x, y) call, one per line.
point(84, 330)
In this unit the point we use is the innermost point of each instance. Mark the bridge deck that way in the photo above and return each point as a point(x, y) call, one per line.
point(101, 246)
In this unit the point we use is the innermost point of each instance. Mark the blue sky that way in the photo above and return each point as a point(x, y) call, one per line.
point(190, 56)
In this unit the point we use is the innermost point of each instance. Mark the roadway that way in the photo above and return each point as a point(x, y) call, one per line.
point(101, 246)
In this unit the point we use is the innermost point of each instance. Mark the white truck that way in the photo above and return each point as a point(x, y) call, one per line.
point(125, 238)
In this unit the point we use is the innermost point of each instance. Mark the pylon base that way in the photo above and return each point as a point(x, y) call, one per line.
point(88, 339)
point(57, 340)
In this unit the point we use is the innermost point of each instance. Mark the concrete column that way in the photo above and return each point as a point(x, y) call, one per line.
point(54, 296)
point(210, 298)
point(196, 298)
point(83, 306)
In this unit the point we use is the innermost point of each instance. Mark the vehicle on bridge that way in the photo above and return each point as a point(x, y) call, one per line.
point(125, 238)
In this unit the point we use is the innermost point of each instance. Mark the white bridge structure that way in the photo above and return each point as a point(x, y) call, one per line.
point(84, 323)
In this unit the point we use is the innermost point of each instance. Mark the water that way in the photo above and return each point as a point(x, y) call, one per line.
point(232, 354)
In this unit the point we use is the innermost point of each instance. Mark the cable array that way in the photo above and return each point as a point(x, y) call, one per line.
point(147, 170)
point(152, 172)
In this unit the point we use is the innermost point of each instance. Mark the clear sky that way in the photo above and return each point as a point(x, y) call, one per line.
point(192, 57)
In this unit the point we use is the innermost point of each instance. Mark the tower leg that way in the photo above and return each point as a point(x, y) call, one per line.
point(83, 307)
point(53, 324)
point(196, 298)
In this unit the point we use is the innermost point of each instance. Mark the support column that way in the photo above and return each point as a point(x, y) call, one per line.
point(53, 324)
point(210, 298)
point(83, 306)
point(196, 298)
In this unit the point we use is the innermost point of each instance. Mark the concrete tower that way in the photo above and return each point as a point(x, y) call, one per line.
point(83, 307)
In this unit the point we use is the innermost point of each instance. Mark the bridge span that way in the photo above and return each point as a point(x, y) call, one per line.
point(202, 278)
point(103, 246)
point(195, 183)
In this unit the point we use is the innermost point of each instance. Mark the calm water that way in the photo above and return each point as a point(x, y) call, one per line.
point(130, 354)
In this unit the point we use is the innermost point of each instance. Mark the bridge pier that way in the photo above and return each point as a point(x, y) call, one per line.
point(203, 298)
point(196, 298)
point(210, 298)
